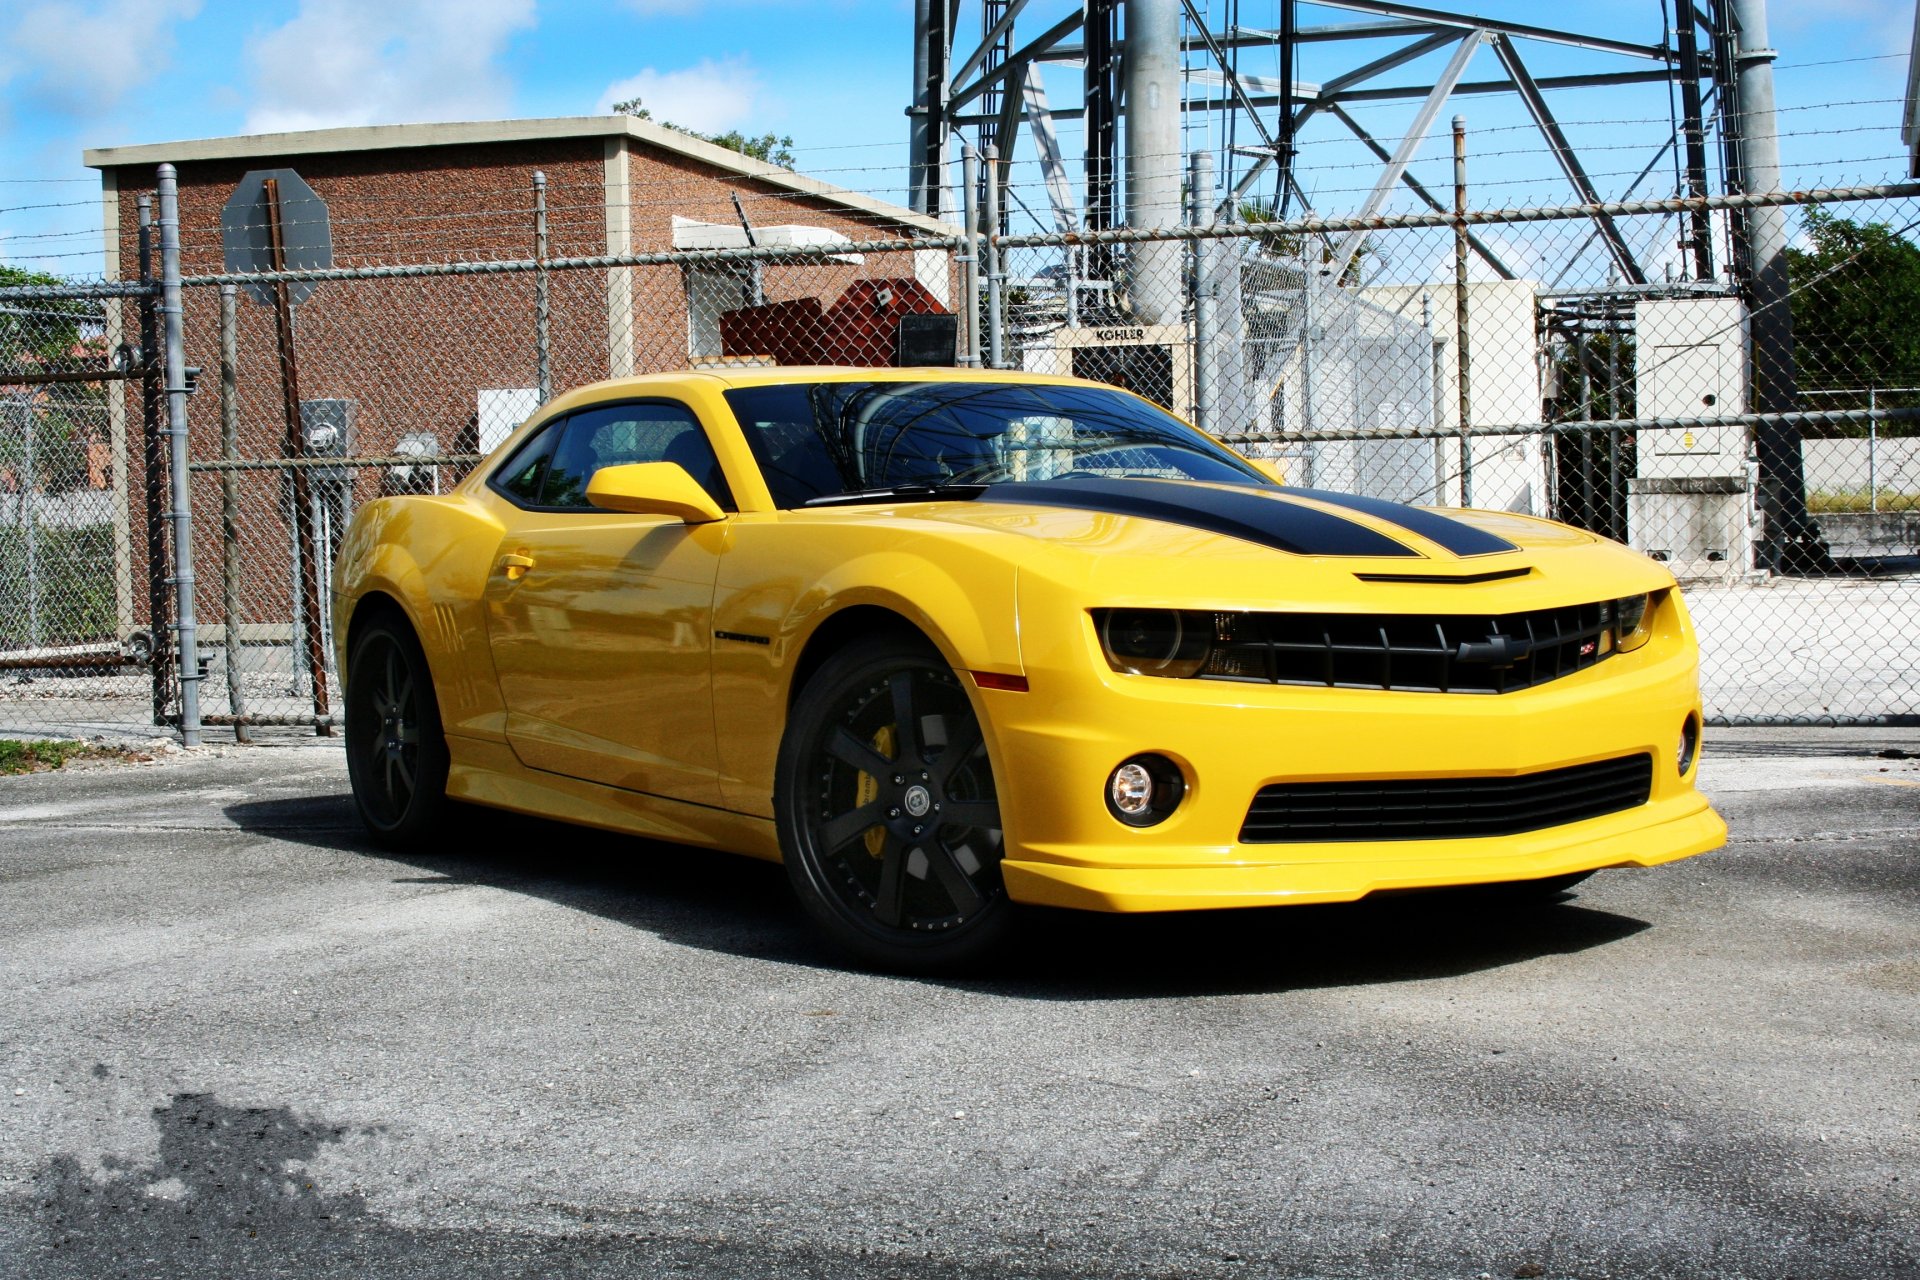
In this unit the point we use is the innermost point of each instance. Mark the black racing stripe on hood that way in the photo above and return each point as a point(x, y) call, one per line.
point(1461, 539)
point(1250, 514)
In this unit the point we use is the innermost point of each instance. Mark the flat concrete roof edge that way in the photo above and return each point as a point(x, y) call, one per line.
point(392, 137)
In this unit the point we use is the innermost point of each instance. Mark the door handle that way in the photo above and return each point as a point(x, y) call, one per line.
point(515, 566)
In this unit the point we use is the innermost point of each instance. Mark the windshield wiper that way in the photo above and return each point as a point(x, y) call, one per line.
point(899, 493)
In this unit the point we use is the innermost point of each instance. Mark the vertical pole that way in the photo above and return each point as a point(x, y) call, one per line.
point(230, 504)
point(27, 509)
point(1792, 542)
point(1101, 119)
point(918, 179)
point(542, 300)
point(1150, 75)
point(1873, 450)
point(1460, 352)
point(1200, 211)
point(173, 317)
point(939, 48)
point(1437, 358)
point(995, 277)
point(153, 463)
point(306, 549)
point(970, 252)
point(1695, 135)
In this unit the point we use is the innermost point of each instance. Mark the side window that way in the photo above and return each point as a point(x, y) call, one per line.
point(519, 477)
point(618, 434)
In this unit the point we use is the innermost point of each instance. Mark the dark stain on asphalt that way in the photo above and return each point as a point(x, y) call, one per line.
point(230, 1194)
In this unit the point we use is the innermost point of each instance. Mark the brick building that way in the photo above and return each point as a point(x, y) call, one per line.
point(447, 363)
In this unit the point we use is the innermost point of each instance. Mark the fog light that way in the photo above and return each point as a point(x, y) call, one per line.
point(1689, 744)
point(1145, 790)
point(1132, 789)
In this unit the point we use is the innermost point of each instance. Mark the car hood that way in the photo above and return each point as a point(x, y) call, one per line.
point(1141, 540)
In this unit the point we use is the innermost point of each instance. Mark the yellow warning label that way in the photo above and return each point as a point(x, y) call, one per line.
point(1687, 439)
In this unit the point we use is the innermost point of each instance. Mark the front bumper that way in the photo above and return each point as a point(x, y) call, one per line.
point(1056, 745)
point(1642, 837)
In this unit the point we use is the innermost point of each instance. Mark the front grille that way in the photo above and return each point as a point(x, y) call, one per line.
point(1443, 653)
point(1445, 808)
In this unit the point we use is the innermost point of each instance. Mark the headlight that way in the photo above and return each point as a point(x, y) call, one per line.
point(1631, 619)
point(1156, 642)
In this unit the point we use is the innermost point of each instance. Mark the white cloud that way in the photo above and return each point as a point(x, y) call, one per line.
point(82, 59)
point(710, 97)
point(356, 62)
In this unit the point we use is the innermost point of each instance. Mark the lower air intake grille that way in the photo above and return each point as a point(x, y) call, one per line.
point(1445, 808)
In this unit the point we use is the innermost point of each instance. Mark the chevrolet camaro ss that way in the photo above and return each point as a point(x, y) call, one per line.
point(946, 641)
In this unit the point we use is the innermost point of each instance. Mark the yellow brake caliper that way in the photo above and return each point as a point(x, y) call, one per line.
point(867, 790)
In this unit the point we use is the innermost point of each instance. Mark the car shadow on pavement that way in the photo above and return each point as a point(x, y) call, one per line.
point(741, 906)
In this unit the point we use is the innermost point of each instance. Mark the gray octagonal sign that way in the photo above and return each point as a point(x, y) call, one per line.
point(306, 238)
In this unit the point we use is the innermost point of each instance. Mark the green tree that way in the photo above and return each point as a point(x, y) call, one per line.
point(772, 148)
point(1856, 308)
point(1288, 245)
point(48, 335)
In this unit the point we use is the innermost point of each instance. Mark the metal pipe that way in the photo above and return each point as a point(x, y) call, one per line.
point(305, 545)
point(969, 255)
point(1200, 210)
point(153, 461)
point(24, 504)
point(230, 504)
point(542, 300)
point(995, 278)
point(1438, 395)
point(1873, 453)
point(1150, 73)
point(1460, 351)
point(173, 318)
point(1792, 543)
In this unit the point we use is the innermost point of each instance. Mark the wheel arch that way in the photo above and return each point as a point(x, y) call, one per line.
point(845, 626)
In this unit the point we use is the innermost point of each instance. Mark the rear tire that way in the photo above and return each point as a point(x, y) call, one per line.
point(888, 818)
point(396, 752)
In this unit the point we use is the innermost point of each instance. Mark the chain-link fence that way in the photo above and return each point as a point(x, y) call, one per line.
point(1595, 365)
point(79, 626)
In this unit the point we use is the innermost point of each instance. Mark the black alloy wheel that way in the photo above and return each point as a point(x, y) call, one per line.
point(396, 752)
point(889, 822)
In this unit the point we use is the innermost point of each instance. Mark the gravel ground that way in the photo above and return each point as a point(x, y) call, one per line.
point(236, 1040)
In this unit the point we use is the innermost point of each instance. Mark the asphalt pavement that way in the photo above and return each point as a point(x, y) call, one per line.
point(236, 1040)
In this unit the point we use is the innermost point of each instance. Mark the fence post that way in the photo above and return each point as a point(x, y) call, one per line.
point(29, 521)
point(1200, 210)
point(153, 463)
point(995, 277)
point(970, 252)
point(230, 504)
point(181, 513)
point(542, 303)
point(1873, 450)
point(1460, 303)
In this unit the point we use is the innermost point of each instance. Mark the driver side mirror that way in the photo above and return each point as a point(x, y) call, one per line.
point(653, 489)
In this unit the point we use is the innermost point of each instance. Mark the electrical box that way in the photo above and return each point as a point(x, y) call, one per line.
point(1154, 361)
point(1691, 503)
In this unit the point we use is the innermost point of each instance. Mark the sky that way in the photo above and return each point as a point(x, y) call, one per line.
point(833, 74)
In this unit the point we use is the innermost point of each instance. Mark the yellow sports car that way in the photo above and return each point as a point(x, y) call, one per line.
point(948, 640)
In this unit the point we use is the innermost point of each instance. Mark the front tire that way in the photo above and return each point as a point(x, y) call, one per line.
point(889, 822)
point(396, 752)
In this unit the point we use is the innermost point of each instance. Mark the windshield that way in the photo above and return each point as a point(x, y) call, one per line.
point(818, 440)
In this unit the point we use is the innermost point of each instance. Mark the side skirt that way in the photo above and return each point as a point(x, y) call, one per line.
point(488, 773)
